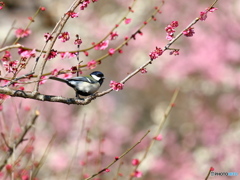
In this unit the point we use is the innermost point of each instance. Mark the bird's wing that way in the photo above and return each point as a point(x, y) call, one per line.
point(83, 79)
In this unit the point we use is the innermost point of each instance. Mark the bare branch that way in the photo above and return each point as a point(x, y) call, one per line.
point(20, 139)
point(162, 122)
point(10, 47)
point(44, 157)
point(9, 31)
point(37, 96)
point(116, 159)
point(57, 29)
point(50, 98)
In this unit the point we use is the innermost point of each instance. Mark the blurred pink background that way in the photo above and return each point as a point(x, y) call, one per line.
point(203, 129)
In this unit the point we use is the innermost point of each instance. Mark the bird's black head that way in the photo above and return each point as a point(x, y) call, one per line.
point(98, 76)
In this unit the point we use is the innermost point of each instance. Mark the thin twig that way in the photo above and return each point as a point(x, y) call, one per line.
point(30, 22)
point(10, 47)
point(115, 27)
point(77, 145)
point(9, 31)
point(161, 123)
point(41, 97)
point(16, 79)
point(118, 171)
point(107, 54)
point(104, 38)
point(21, 155)
point(44, 157)
point(58, 28)
point(190, 25)
point(20, 139)
point(116, 159)
point(210, 170)
point(5, 141)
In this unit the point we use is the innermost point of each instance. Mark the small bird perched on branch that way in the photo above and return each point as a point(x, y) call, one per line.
point(84, 85)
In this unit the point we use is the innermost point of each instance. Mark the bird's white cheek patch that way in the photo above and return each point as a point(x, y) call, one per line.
point(95, 77)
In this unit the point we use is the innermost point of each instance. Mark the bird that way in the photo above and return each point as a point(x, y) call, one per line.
point(84, 85)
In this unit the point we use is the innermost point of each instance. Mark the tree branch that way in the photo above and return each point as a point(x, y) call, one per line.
point(26, 128)
point(50, 98)
point(58, 28)
point(120, 157)
point(10, 47)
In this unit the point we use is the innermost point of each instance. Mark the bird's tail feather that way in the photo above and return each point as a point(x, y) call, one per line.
point(58, 79)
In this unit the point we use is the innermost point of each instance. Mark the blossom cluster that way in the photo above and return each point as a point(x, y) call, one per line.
point(170, 30)
point(85, 3)
point(203, 14)
point(111, 51)
point(113, 35)
point(12, 66)
point(92, 64)
point(26, 53)
point(65, 36)
point(21, 33)
point(72, 14)
point(67, 54)
point(78, 41)
point(53, 53)
point(128, 20)
point(48, 36)
point(174, 52)
point(154, 54)
point(101, 46)
point(189, 32)
point(116, 85)
point(2, 4)
point(9, 65)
